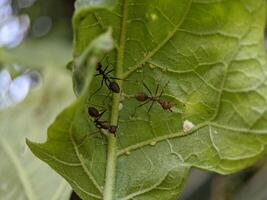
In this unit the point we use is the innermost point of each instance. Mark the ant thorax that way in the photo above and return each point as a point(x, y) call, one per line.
point(141, 96)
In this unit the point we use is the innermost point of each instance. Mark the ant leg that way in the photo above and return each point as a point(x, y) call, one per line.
point(97, 90)
point(115, 78)
point(100, 114)
point(112, 77)
point(109, 71)
point(107, 82)
point(150, 106)
point(140, 106)
point(104, 101)
point(163, 88)
point(104, 71)
point(147, 89)
point(157, 89)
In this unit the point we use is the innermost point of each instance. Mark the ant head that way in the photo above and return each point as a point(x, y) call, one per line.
point(166, 105)
point(114, 87)
point(113, 129)
point(99, 66)
point(141, 96)
point(93, 112)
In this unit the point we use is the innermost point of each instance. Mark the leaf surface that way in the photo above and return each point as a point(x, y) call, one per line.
point(208, 59)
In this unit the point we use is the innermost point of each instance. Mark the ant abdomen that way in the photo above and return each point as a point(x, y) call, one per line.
point(166, 105)
point(93, 112)
point(141, 97)
point(114, 87)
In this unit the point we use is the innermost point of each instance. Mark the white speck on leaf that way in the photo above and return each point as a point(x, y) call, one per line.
point(120, 106)
point(153, 143)
point(188, 126)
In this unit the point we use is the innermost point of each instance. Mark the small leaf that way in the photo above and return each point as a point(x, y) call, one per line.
point(207, 59)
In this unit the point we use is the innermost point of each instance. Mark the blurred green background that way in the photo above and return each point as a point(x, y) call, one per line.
point(46, 48)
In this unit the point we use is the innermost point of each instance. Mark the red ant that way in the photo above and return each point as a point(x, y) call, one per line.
point(94, 113)
point(143, 97)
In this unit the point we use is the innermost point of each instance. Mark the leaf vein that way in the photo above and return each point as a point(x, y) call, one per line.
point(81, 159)
point(154, 51)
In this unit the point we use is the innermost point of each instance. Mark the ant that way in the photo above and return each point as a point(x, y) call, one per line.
point(111, 85)
point(143, 97)
point(94, 113)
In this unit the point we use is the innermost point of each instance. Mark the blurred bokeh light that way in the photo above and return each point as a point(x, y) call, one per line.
point(12, 28)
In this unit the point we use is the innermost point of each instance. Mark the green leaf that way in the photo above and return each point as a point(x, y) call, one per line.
point(22, 175)
point(211, 55)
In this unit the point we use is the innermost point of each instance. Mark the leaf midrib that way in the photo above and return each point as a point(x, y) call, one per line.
point(110, 178)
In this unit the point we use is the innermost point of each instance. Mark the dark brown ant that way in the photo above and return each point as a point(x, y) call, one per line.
point(112, 85)
point(143, 97)
point(94, 113)
point(106, 79)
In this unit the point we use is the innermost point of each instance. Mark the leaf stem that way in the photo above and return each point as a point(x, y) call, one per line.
point(112, 140)
point(111, 168)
